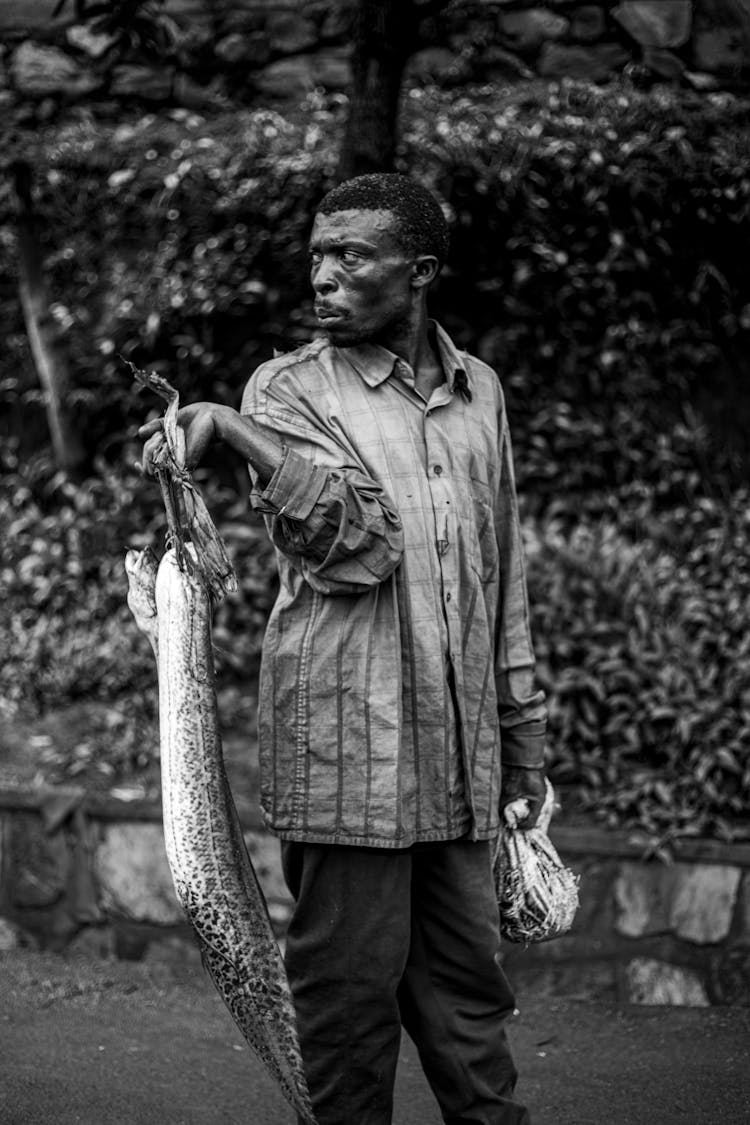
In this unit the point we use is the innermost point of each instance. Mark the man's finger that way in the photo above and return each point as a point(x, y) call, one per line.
point(150, 428)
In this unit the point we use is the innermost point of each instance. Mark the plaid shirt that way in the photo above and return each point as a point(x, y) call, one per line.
point(397, 660)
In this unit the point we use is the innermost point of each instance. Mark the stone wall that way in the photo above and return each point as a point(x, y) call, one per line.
point(649, 931)
point(91, 873)
point(218, 53)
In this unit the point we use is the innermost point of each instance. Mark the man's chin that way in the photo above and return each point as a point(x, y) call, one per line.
point(344, 335)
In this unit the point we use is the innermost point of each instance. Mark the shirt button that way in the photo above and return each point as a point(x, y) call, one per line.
point(437, 470)
point(448, 596)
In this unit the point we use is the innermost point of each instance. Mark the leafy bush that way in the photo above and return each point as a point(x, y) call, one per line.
point(66, 633)
point(594, 265)
point(643, 640)
point(174, 243)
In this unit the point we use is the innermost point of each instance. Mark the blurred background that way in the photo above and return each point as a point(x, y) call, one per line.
point(161, 165)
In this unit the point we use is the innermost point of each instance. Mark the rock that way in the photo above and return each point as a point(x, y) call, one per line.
point(39, 72)
point(188, 93)
point(253, 48)
point(591, 979)
point(290, 33)
point(133, 874)
point(338, 19)
point(26, 16)
point(37, 865)
point(694, 902)
point(596, 63)
point(497, 64)
point(9, 938)
point(719, 50)
point(528, 28)
point(152, 84)
point(332, 68)
point(742, 936)
point(84, 39)
point(664, 63)
point(287, 78)
point(643, 896)
point(700, 81)
point(431, 64)
point(652, 23)
point(595, 915)
point(587, 24)
point(704, 901)
point(658, 982)
point(730, 977)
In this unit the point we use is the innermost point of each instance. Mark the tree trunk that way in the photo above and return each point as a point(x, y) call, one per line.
point(384, 32)
point(43, 335)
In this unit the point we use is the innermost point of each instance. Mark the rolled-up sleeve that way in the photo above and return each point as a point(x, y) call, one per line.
point(522, 708)
point(331, 520)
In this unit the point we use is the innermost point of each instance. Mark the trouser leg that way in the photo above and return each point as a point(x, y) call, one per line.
point(454, 996)
point(347, 945)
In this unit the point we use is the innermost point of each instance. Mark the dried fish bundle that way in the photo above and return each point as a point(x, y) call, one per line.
point(537, 894)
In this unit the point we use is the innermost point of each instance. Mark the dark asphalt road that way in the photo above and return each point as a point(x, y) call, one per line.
point(113, 1043)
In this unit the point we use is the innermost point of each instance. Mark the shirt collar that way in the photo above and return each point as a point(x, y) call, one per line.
point(375, 364)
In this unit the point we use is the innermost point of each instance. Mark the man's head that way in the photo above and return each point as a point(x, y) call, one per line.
point(418, 221)
point(377, 244)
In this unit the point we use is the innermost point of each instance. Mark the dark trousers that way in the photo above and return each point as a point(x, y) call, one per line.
point(380, 939)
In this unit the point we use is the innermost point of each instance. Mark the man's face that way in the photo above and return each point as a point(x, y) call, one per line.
point(361, 277)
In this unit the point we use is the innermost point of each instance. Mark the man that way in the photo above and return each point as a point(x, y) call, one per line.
point(398, 714)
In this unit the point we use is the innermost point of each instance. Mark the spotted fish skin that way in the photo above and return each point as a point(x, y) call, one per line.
point(211, 869)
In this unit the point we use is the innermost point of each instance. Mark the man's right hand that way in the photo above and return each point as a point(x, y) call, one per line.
point(198, 424)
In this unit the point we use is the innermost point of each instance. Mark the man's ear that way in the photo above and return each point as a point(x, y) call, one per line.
point(424, 271)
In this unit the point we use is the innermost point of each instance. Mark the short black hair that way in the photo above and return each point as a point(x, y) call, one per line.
point(421, 227)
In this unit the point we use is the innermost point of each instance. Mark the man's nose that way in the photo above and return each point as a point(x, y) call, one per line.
point(324, 277)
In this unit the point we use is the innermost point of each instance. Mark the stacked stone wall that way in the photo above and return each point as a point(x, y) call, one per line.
point(90, 873)
point(660, 930)
point(256, 51)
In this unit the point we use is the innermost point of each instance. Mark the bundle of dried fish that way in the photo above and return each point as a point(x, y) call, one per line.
point(537, 894)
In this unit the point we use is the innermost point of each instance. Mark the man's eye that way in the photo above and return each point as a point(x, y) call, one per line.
point(315, 258)
point(350, 257)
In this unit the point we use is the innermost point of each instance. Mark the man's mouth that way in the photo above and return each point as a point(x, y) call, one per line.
point(328, 314)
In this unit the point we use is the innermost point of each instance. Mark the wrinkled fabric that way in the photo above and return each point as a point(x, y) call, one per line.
point(397, 663)
point(382, 938)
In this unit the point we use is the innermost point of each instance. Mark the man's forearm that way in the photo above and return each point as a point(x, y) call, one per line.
point(261, 448)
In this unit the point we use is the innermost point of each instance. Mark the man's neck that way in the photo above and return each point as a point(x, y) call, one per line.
point(416, 344)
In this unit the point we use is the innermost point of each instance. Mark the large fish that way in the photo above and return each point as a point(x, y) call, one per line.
point(211, 869)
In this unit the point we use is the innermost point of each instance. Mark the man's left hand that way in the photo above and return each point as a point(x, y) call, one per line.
point(528, 784)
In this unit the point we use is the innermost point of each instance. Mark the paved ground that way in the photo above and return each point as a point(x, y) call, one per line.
point(118, 1043)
